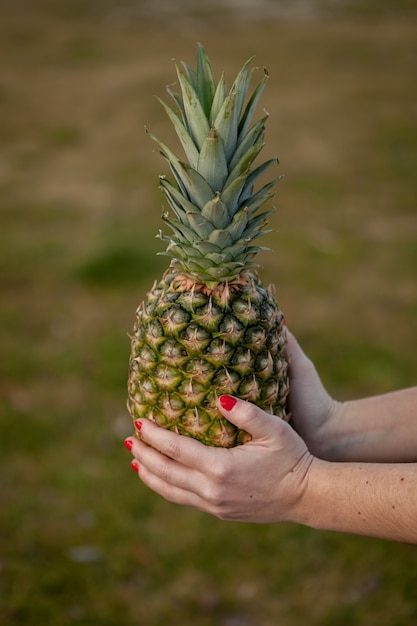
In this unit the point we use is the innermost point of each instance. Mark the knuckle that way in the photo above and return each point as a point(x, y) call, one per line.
point(219, 504)
point(166, 493)
point(218, 487)
point(216, 499)
point(162, 470)
point(172, 448)
point(221, 473)
point(224, 516)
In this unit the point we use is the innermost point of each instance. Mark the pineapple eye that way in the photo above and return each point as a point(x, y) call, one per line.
point(154, 333)
point(200, 370)
point(267, 312)
point(244, 311)
point(209, 315)
point(222, 433)
point(192, 300)
point(264, 365)
point(218, 351)
point(146, 357)
point(226, 381)
point(250, 388)
point(192, 392)
point(255, 337)
point(231, 328)
point(270, 390)
point(195, 338)
point(167, 377)
point(273, 340)
point(148, 385)
point(242, 360)
point(175, 318)
point(172, 405)
point(173, 352)
point(197, 419)
point(149, 390)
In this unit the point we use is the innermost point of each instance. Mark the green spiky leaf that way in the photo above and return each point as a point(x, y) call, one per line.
point(214, 198)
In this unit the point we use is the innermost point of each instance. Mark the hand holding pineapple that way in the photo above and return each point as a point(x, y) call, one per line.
point(274, 477)
point(262, 480)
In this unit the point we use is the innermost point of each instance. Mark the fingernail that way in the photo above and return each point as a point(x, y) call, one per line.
point(138, 424)
point(135, 466)
point(227, 402)
point(128, 444)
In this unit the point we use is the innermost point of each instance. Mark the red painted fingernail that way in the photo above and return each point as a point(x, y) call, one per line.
point(135, 466)
point(128, 444)
point(138, 424)
point(227, 402)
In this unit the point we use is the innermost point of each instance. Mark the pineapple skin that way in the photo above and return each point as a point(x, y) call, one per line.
point(191, 344)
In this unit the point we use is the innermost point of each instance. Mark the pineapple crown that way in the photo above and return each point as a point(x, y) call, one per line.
point(215, 207)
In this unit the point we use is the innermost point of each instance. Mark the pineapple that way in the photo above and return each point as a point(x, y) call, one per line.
point(209, 326)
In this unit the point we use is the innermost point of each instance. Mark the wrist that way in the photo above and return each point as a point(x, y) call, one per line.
point(308, 506)
point(325, 442)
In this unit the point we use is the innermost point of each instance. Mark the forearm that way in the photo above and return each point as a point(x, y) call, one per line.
point(377, 429)
point(378, 500)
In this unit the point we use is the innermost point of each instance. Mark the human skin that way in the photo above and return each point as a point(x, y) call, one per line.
point(349, 467)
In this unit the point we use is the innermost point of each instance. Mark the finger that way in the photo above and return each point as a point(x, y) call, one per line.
point(158, 476)
point(249, 417)
point(173, 481)
point(197, 480)
point(186, 450)
point(166, 469)
point(167, 490)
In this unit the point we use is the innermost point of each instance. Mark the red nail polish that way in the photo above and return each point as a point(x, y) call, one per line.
point(138, 424)
point(128, 444)
point(227, 402)
point(135, 466)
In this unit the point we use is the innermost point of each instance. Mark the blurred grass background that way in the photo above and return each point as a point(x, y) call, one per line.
point(81, 540)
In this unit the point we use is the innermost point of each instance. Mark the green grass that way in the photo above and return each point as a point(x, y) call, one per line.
point(82, 541)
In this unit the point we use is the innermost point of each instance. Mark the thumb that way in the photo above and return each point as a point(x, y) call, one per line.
point(249, 417)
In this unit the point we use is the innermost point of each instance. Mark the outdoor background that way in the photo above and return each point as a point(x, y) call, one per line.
point(82, 541)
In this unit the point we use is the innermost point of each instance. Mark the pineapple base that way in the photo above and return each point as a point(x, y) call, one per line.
point(192, 344)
